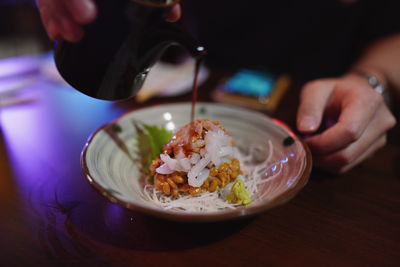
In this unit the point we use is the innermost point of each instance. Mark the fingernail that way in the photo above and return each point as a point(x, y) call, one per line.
point(308, 123)
point(89, 10)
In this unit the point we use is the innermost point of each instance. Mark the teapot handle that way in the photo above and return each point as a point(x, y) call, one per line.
point(112, 60)
point(135, 59)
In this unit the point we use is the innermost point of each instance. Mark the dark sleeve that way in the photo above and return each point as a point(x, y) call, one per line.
point(381, 19)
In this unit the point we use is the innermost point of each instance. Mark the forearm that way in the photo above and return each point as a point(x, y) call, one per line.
point(382, 59)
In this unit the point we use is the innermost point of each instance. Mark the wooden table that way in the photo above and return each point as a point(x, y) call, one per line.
point(50, 215)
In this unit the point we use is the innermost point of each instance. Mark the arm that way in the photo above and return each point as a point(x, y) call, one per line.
point(356, 117)
point(382, 59)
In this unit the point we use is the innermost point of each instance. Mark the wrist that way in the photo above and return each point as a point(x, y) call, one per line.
point(371, 74)
point(375, 79)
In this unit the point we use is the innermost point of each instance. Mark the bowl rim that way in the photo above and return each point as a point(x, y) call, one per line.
point(200, 217)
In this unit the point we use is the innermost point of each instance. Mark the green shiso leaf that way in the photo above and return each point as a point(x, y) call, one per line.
point(150, 142)
point(157, 137)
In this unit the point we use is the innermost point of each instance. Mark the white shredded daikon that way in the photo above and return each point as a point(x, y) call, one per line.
point(255, 174)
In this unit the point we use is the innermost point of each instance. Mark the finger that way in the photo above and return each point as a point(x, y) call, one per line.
point(70, 30)
point(44, 14)
point(357, 110)
point(313, 100)
point(342, 167)
point(82, 11)
point(381, 142)
point(63, 22)
point(46, 21)
point(49, 24)
point(52, 31)
point(58, 21)
point(371, 140)
point(174, 14)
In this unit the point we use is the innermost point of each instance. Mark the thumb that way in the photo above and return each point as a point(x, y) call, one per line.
point(313, 100)
point(174, 14)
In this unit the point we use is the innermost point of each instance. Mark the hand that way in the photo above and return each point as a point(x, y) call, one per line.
point(358, 118)
point(174, 14)
point(64, 19)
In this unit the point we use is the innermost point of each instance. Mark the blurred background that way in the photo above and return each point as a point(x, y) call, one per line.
point(21, 30)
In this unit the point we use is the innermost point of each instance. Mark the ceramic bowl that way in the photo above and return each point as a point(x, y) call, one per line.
point(108, 158)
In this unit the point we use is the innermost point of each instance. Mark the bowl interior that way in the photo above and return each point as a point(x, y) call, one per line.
point(110, 157)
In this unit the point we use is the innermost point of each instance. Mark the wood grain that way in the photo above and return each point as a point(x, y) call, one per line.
point(50, 215)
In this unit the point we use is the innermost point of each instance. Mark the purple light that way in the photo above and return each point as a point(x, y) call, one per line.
point(18, 66)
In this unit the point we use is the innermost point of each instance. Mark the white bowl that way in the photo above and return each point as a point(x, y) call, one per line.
point(109, 158)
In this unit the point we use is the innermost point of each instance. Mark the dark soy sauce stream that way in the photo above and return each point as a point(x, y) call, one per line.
point(195, 88)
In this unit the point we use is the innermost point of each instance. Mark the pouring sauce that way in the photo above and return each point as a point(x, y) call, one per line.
point(195, 87)
point(199, 60)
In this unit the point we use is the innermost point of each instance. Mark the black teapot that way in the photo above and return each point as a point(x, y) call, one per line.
point(118, 49)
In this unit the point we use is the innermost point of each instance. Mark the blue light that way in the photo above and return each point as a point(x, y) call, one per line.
point(274, 168)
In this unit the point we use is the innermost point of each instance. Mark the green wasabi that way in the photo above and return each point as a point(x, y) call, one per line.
point(238, 194)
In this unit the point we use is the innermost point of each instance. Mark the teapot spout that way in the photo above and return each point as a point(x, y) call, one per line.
point(187, 41)
point(163, 36)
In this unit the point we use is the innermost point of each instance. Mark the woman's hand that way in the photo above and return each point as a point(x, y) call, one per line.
point(174, 14)
point(356, 117)
point(64, 19)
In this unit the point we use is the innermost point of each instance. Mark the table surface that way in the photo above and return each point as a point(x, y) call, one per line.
point(51, 215)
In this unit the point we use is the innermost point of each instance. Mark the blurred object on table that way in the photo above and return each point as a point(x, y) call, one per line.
point(19, 66)
point(21, 31)
point(16, 74)
point(256, 89)
point(170, 79)
point(10, 90)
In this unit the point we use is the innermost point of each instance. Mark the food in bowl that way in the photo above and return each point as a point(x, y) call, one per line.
point(201, 169)
point(116, 159)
